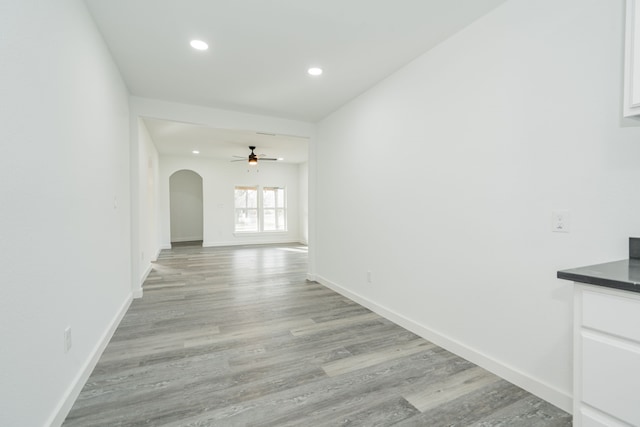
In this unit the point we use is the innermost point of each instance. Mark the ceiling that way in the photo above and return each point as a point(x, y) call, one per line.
point(180, 139)
point(260, 50)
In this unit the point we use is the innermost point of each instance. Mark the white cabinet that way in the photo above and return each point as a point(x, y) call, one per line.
point(606, 357)
point(632, 60)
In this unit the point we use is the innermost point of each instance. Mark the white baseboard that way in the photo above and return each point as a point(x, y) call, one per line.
point(137, 292)
point(220, 244)
point(146, 273)
point(248, 242)
point(69, 398)
point(164, 246)
point(539, 388)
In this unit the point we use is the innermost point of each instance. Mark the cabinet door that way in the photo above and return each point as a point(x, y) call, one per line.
point(591, 419)
point(632, 59)
point(611, 376)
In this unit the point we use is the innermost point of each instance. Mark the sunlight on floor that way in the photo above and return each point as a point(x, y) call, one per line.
point(301, 249)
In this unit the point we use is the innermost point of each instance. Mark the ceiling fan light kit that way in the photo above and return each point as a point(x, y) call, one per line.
point(253, 158)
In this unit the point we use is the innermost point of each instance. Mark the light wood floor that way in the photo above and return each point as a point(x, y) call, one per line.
point(238, 337)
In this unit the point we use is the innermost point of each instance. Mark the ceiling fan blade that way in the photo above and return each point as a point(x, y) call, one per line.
point(254, 157)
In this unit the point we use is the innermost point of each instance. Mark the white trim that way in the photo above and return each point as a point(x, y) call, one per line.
point(164, 246)
point(250, 242)
point(577, 351)
point(260, 233)
point(70, 396)
point(137, 293)
point(631, 106)
point(146, 273)
point(314, 278)
point(539, 388)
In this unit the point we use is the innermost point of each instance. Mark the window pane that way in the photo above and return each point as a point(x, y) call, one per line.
point(246, 208)
point(246, 220)
point(240, 198)
point(269, 198)
point(269, 218)
point(252, 198)
point(280, 198)
point(281, 220)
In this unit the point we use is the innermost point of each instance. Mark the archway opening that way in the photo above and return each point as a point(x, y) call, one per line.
point(186, 208)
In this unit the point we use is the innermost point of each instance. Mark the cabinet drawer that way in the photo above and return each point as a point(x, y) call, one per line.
point(618, 315)
point(611, 376)
point(588, 419)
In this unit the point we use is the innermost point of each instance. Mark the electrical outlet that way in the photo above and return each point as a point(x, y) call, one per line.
point(560, 221)
point(67, 339)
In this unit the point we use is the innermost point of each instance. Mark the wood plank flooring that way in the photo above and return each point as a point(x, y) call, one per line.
point(238, 337)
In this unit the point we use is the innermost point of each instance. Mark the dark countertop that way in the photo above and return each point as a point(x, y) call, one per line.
point(623, 275)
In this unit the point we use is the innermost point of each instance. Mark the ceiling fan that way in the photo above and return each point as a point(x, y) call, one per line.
point(253, 157)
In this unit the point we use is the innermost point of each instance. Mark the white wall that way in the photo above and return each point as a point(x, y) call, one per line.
point(64, 216)
point(185, 206)
point(147, 202)
point(218, 181)
point(469, 149)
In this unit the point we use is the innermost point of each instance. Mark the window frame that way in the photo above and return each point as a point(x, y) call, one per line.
point(246, 188)
point(276, 209)
point(280, 206)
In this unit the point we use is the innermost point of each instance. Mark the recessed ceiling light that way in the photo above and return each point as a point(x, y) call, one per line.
point(195, 152)
point(199, 44)
point(314, 71)
point(280, 159)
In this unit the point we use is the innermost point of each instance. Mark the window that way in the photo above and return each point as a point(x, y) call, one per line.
point(274, 210)
point(257, 211)
point(246, 202)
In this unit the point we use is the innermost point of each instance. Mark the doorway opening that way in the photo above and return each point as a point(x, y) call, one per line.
point(186, 208)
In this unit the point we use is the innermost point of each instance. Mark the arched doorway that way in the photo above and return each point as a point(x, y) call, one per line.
point(185, 198)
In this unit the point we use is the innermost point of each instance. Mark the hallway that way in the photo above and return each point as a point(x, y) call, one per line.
point(235, 336)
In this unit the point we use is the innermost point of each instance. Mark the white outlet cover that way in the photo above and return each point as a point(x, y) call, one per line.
point(560, 221)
